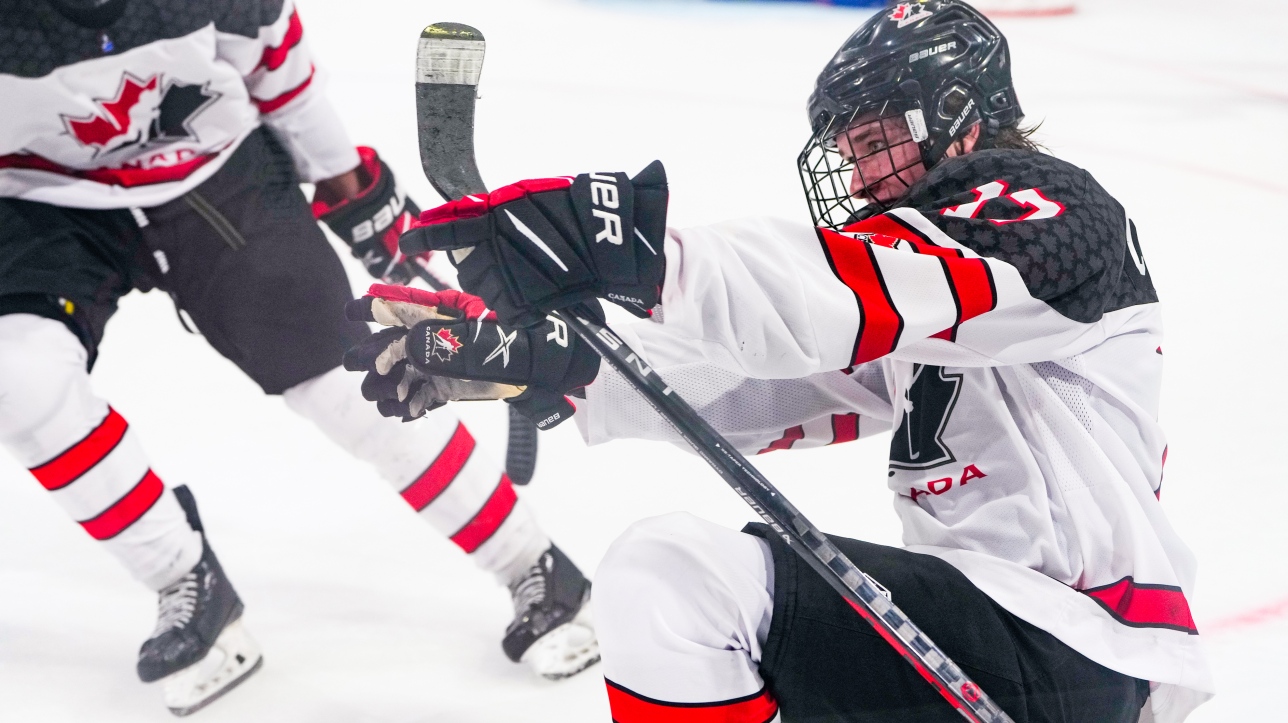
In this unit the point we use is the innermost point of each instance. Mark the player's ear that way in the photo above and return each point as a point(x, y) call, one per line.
point(967, 142)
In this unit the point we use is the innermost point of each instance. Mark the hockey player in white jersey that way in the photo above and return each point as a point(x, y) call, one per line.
point(989, 303)
point(161, 144)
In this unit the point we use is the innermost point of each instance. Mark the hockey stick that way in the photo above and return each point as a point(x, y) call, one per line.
point(449, 62)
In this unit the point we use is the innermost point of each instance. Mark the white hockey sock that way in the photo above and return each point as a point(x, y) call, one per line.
point(682, 610)
point(85, 453)
point(437, 467)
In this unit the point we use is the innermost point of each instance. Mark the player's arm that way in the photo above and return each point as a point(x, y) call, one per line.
point(755, 415)
point(265, 42)
point(1045, 266)
point(357, 195)
point(1045, 275)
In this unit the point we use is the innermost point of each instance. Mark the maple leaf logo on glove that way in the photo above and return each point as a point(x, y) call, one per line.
point(442, 344)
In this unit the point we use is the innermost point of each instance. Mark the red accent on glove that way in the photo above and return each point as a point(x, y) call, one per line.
point(368, 161)
point(405, 223)
point(472, 307)
point(481, 204)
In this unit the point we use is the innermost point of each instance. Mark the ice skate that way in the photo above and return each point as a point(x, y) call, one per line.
point(552, 631)
point(199, 647)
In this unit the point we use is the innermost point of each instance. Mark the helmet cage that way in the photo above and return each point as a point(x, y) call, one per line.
point(830, 166)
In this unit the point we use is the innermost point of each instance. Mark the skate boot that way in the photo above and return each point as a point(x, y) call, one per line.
point(199, 647)
point(552, 629)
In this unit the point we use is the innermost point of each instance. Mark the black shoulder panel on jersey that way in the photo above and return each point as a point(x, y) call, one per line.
point(35, 39)
point(245, 17)
point(1050, 219)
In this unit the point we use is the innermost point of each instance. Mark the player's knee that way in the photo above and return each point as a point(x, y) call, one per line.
point(333, 401)
point(659, 572)
point(41, 362)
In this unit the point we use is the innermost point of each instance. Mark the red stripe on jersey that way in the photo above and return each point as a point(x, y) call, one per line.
point(272, 104)
point(971, 282)
point(81, 457)
point(274, 56)
point(855, 264)
point(893, 227)
point(845, 428)
point(440, 473)
point(489, 519)
point(970, 279)
point(787, 440)
point(1145, 606)
point(123, 177)
point(628, 706)
point(127, 510)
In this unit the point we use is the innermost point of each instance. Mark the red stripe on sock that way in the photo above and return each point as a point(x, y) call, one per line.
point(630, 707)
point(845, 428)
point(81, 457)
point(787, 440)
point(1145, 606)
point(127, 510)
point(485, 523)
point(440, 473)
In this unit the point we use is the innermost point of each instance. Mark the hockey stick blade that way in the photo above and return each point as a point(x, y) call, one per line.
point(521, 452)
point(449, 61)
point(446, 59)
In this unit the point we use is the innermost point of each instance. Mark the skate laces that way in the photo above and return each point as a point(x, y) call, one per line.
point(176, 604)
point(531, 590)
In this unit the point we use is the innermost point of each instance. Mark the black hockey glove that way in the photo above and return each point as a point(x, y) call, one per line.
point(448, 346)
point(371, 223)
point(542, 245)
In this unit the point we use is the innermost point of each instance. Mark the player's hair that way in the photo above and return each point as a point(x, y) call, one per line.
point(1018, 137)
point(1012, 136)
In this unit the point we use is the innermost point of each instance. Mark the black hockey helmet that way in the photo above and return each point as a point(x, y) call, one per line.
point(939, 64)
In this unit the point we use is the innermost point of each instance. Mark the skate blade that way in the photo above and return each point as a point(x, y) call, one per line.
point(565, 651)
point(233, 658)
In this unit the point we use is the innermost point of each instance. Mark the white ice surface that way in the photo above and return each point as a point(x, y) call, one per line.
point(1178, 107)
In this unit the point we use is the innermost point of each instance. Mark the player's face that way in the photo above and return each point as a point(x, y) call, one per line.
point(886, 160)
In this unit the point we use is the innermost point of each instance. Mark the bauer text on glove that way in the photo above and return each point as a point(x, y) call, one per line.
point(371, 221)
point(545, 244)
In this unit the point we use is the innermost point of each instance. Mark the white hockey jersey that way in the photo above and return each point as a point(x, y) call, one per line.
point(1004, 325)
point(142, 111)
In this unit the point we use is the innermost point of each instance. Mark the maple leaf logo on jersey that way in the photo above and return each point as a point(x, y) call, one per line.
point(442, 344)
point(180, 104)
point(116, 117)
point(908, 13)
point(140, 114)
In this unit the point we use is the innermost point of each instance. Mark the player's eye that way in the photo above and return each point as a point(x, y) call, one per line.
point(877, 145)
